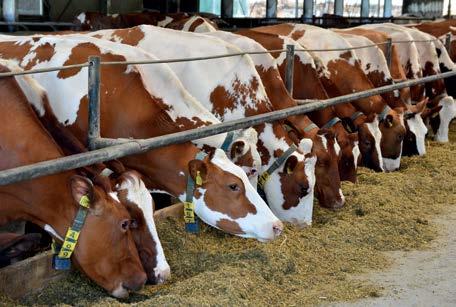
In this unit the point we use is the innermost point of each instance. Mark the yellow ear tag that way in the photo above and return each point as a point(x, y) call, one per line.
point(198, 180)
point(289, 171)
point(84, 201)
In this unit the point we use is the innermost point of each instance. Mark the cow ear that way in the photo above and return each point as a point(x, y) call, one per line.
point(419, 107)
point(388, 120)
point(198, 171)
point(237, 149)
point(81, 186)
point(431, 112)
point(290, 165)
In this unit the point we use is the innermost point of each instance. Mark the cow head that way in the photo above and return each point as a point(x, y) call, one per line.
point(327, 185)
point(369, 136)
point(225, 199)
point(106, 252)
point(244, 153)
point(347, 145)
point(393, 132)
point(414, 141)
point(440, 121)
point(289, 189)
point(135, 196)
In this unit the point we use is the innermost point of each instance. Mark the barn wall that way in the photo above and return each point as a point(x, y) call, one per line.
point(77, 6)
point(425, 8)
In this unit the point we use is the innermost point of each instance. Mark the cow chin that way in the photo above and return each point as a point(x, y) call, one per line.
point(120, 292)
point(391, 165)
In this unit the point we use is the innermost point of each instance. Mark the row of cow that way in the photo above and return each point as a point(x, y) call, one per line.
point(289, 161)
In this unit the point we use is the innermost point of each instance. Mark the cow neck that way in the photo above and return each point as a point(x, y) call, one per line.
point(166, 168)
point(272, 146)
point(43, 201)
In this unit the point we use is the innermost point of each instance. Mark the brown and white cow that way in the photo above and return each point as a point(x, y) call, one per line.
point(341, 64)
point(127, 185)
point(132, 105)
point(408, 55)
point(306, 83)
point(189, 113)
point(52, 201)
point(90, 21)
point(429, 65)
point(439, 29)
point(231, 88)
point(436, 90)
point(374, 64)
point(193, 24)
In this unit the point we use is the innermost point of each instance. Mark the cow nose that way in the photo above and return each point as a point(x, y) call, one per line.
point(277, 228)
point(163, 275)
point(136, 282)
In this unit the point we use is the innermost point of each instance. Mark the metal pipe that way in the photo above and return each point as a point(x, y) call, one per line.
point(202, 58)
point(379, 90)
point(389, 52)
point(94, 101)
point(41, 70)
point(289, 73)
point(123, 149)
point(448, 43)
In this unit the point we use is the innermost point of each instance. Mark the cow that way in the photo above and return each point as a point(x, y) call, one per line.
point(127, 184)
point(91, 21)
point(374, 64)
point(271, 70)
point(53, 201)
point(439, 29)
point(307, 85)
point(193, 24)
point(428, 64)
point(133, 105)
point(339, 64)
point(408, 55)
point(233, 89)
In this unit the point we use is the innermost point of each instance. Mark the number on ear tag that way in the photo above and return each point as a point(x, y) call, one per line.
point(84, 201)
point(198, 180)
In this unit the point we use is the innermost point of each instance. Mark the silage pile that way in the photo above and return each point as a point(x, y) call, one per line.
point(384, 212)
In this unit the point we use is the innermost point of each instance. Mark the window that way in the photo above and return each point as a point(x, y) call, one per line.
point(397, 8)
point(323, 7)
point(376, 8)
point(289, 8)
point(352, 8)
point(249, 8)
point(210, 6)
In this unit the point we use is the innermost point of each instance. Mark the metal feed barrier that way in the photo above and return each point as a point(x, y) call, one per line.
point(105, 149)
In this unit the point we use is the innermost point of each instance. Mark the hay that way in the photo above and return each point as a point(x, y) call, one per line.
point(384, 212)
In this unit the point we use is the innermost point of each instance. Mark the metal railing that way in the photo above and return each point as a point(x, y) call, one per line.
point(105, 149)
point(52, 25)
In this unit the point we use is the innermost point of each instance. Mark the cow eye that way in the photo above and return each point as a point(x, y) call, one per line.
point(367, 143)
point(400, 137)
point(234, 187)
point(124, 225)
point(133, 224)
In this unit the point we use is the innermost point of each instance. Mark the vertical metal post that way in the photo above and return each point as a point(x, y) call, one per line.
point(389, 52)
point(94, 101)
point(448, 43)
point(289, 69)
